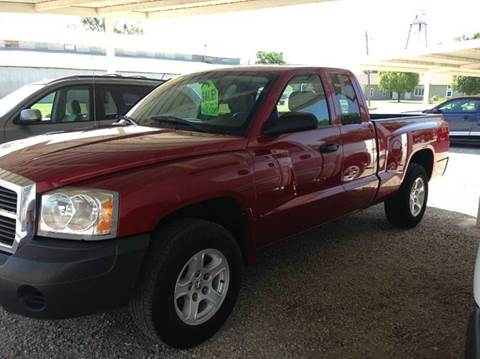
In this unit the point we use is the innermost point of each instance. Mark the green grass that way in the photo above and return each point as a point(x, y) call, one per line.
point(44, 108)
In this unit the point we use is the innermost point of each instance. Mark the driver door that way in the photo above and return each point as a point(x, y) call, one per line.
point(298, 174)
point(65, 109)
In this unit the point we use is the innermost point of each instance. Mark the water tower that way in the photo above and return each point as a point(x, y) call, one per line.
point(418, 31)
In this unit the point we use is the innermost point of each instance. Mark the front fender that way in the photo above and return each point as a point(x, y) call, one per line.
point(149, 194)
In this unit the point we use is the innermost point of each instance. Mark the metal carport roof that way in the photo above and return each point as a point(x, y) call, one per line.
point(460, 58)
point(141, 8)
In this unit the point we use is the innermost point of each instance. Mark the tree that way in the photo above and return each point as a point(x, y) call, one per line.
point(466, 84)
point(468, 37)
point(399, 82)
point(270, 57)
point(98, 24)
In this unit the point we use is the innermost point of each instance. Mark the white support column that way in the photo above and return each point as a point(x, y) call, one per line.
point(427, 77)
point(109, 26)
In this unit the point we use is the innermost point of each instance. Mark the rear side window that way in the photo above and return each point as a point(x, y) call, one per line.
point(346, 98)
point(119, 99)
point(131, 98)
point(109, 104)
point(305, 93)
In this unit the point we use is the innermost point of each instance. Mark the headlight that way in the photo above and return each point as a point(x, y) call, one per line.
point(79, 214)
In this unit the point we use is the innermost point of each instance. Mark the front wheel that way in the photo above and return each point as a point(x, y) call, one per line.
point(407, 208)
point(190, 283)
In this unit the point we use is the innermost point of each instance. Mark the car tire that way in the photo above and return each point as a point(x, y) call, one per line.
point(179, 250)
point(407, 208)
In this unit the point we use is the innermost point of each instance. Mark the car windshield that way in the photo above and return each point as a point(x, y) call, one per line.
point(213, 102)
point(14, 98)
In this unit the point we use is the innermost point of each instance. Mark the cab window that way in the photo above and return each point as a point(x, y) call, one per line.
point(305, 93)
point(346, 98)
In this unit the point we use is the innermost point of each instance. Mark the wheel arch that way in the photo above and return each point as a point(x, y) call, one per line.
point(226, 211)
point(425, 158)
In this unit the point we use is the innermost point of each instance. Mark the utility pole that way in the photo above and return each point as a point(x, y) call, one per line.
point(109, 29)
point(369, 100)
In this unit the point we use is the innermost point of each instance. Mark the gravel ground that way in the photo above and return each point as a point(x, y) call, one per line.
point(354, 288)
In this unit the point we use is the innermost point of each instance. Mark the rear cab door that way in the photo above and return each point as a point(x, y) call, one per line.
point(358, 139)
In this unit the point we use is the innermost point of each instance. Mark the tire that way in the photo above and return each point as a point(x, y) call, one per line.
point(169, 264)
point(398, 209)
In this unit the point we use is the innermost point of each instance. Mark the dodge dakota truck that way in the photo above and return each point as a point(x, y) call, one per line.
point(162, 211)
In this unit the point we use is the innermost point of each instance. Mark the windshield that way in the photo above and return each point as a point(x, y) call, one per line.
point(214, 102)
point(14, 98)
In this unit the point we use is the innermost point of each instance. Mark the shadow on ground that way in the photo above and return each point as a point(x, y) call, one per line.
point(354, 288)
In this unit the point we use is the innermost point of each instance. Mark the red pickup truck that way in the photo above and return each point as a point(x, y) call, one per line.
point(162, 210)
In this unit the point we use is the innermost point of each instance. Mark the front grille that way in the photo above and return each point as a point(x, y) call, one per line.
point(8, 200)
point(15, 191)
point(7, 230)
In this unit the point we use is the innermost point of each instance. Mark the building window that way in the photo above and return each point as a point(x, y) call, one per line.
point(372, 92)
point(12, 44)
point(449, 91)
point(385, 93)
point(419, 91)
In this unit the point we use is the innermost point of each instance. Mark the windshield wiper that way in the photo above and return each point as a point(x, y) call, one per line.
point(176, 121)
point(125, 121)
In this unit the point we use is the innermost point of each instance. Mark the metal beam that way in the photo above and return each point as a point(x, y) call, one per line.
point(57, 4)
point(388, 66)
point(238, 5)
point(450, 58)
point(15, 7)
point(161, 5)
point(140, 8)
point(471, 66)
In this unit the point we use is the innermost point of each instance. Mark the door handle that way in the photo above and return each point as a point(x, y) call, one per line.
point(329, 147)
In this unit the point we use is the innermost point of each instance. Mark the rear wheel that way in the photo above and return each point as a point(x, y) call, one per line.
point(407, 208)
point(190, 283)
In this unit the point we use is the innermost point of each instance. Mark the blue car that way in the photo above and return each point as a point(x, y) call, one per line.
point(463, 117)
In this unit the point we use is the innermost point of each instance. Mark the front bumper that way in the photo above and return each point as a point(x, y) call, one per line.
point(472, 346)
point(52, 278)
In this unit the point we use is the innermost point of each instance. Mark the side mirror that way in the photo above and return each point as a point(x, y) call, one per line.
point(30, 115)
point(291, 122)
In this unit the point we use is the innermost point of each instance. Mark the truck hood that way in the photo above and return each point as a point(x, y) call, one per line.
point(56, 160)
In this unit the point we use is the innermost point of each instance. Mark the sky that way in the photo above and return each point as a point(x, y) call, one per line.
point(320, 34)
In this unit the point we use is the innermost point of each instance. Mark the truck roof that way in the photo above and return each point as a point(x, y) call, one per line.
point(102, 78)
point(272, 68)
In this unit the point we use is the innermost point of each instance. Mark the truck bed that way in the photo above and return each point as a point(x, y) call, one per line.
point(399, 136)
